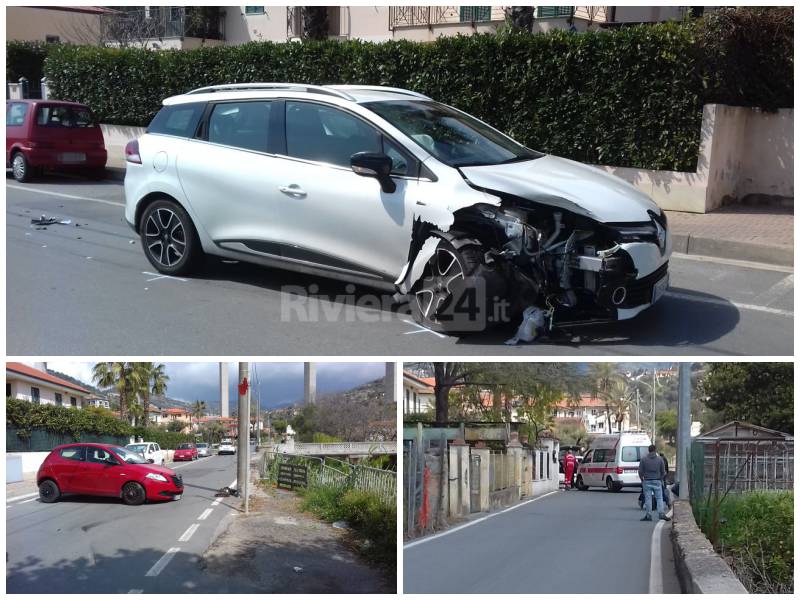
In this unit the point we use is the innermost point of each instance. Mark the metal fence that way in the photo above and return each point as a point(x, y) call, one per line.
point(415, 16)
point(44, 440)
point(331, 472)
point(731, 465)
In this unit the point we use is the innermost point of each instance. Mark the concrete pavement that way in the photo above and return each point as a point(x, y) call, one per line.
point(99, 545)
point(569, 542)
point(90, 287)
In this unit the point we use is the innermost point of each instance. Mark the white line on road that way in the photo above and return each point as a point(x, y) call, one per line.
point(59, 194)
point(420, 329)
point(31, 500)
point(157, 276)
point(162, 562)
point(733, 262)
point(135, 591)
point(187, 535)
point(454, 529)
point(720, 302)
point(21, 497)
point(770, 295)
point(204, 515)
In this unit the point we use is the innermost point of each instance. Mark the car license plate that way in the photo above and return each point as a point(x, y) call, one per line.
point(660, 287)
point(177, 496)
point(73, 157)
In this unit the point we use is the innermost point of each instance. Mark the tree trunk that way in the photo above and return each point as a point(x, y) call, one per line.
point(442, 393)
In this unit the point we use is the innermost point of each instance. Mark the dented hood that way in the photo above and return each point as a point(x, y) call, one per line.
point(566, 184)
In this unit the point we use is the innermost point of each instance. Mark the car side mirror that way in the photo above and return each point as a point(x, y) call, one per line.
point(111, 461)
point(374, 164)
point(150, 460)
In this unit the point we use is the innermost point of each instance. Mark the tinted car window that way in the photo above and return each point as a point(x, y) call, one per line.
point(15, 114)
point(240, 124)
point(185, 447)
point(324, 134)
point(178, 119)
point(64, 116)
point(603, 456)
point(73, 453)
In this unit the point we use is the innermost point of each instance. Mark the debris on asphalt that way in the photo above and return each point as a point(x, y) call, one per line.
point(226, 491)
point(341, 525)
point(531, 327)
point(131, 241)
point(298, 569)
point(45, 220)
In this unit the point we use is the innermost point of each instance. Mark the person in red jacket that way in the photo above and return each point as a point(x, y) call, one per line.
point(569, 469)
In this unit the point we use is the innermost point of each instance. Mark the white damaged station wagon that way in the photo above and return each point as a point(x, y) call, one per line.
point(386, 187)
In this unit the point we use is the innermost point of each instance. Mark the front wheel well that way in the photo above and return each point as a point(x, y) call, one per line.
point(147, 201)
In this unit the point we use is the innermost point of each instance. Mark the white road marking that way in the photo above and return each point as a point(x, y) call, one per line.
point(454, 529)
point(21, 497)
point(157, 276)
point(720, 302)
point(187, 535)
point(135, 591)
point(31, 500)
point(747, 264)
point(60, 195)
point(770, 295)
point(656, 568)
point(204, 515)
point(162, 562)
point(420, 329)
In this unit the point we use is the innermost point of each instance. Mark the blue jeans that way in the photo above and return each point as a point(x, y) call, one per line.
point(653, 487)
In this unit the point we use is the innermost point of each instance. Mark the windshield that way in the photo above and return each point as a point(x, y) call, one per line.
point(185, 447)
point(453, 137)
point(129, 457)
point(137, 447)
point(202, 445)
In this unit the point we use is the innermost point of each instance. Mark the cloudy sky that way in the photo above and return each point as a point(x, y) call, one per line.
point(279, 383)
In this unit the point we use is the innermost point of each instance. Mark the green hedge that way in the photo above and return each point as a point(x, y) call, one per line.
point(47, 425)
point(25, 59)
point(626, 97)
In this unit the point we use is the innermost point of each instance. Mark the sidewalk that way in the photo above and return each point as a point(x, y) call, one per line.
point(752, 233)
point(22, 488)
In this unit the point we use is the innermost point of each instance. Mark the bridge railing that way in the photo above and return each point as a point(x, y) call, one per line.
point(330, 472)
point(345, 448)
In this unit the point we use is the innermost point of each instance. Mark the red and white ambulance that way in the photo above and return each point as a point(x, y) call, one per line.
point(612, 461)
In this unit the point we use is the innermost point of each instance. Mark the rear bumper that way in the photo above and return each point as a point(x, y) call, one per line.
point(182, 457)
point(40, 157)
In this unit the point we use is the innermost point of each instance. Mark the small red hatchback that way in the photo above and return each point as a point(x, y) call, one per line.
point(52, 134)
point(186, 451)
point(105, 470)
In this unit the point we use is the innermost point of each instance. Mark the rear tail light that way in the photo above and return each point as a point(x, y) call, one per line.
point(619, 470)
point(43, 145)
point(132, 152)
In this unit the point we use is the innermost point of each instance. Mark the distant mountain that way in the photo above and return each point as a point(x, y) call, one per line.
point(360, 414)
point(78, 382)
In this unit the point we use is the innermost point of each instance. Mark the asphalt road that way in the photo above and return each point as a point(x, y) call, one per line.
point(565, 543)
point(96, 545)
point(89, 290)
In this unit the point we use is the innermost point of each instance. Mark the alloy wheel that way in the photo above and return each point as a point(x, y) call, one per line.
point(443, 269)
point(18, 167)
point(165, 237)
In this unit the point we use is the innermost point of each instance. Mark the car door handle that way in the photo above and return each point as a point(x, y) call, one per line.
point(293, 190)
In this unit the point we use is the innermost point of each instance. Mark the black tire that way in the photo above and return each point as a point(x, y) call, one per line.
point(133, 494)
point(48, 491)
point(96, 174)
point(612, 486)
point(169, 238)
point(21, 169)
point(580, 485)
point(448, 265)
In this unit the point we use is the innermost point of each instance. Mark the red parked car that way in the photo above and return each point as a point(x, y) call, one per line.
point(185, 451)
point(105, 470)
point(52, 134)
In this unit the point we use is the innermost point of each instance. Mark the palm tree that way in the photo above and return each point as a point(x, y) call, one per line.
point(600, 377)
point(618, 398)
point(154, 382)
point(136, 412)
point(198, 410)
point(125, 377)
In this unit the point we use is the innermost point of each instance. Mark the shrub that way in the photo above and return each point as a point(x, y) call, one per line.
point(25, 59)
point(626, 97)
point(166, 439)
point(26, 416)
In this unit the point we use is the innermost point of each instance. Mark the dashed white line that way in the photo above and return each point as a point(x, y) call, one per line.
point(216, 502)
point(162, 562)
point(204, 515)
point(135, 591)
point(21, 497)
point(60, 195)
point(187, 535)
point(770, 295)
point(720, 302)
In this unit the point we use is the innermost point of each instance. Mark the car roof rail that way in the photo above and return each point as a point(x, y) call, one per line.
point(379, 88)
point(301, 87)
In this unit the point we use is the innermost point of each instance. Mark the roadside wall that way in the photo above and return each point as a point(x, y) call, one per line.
point(744, 152)
point(116, 137)
point(700, 569)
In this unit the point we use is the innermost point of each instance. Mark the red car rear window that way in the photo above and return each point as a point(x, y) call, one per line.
point(64, 116)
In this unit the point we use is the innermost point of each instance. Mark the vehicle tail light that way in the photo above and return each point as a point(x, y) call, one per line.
point(619, 470)
point(132, 152)
point(44, 145)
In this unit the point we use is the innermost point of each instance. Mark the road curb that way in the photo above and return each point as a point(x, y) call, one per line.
point(686, 243)
point(115, 173)
point(700, 569)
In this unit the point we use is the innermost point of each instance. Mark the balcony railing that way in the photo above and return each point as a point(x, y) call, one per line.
point(429, 16)
point(157, 22)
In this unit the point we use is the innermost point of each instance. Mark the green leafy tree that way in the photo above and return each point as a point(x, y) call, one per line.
point(198, 410)
point(667, 425)
point(125, 377)
point(175, 426)
point(154, 381)
point(757, 393)
point(601, 377)
point(571, 433)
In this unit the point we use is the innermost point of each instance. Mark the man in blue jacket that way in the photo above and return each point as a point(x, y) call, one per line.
point(652, 472)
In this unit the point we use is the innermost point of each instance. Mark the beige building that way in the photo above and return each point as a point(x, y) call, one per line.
point(68, 24)
point(418, 393)
point(40, 387)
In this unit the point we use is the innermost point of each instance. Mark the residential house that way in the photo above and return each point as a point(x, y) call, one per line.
point(418, 393)
point(154, 414)
point(180, 415)
point(54, 24)
point(96, 401)
point(591, 413)
point(40, 387)
point(230, 424)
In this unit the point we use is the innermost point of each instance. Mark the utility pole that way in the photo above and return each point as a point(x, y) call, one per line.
point(684, 429)
point(243, 452)
point(223, 389)
point(310, 383)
